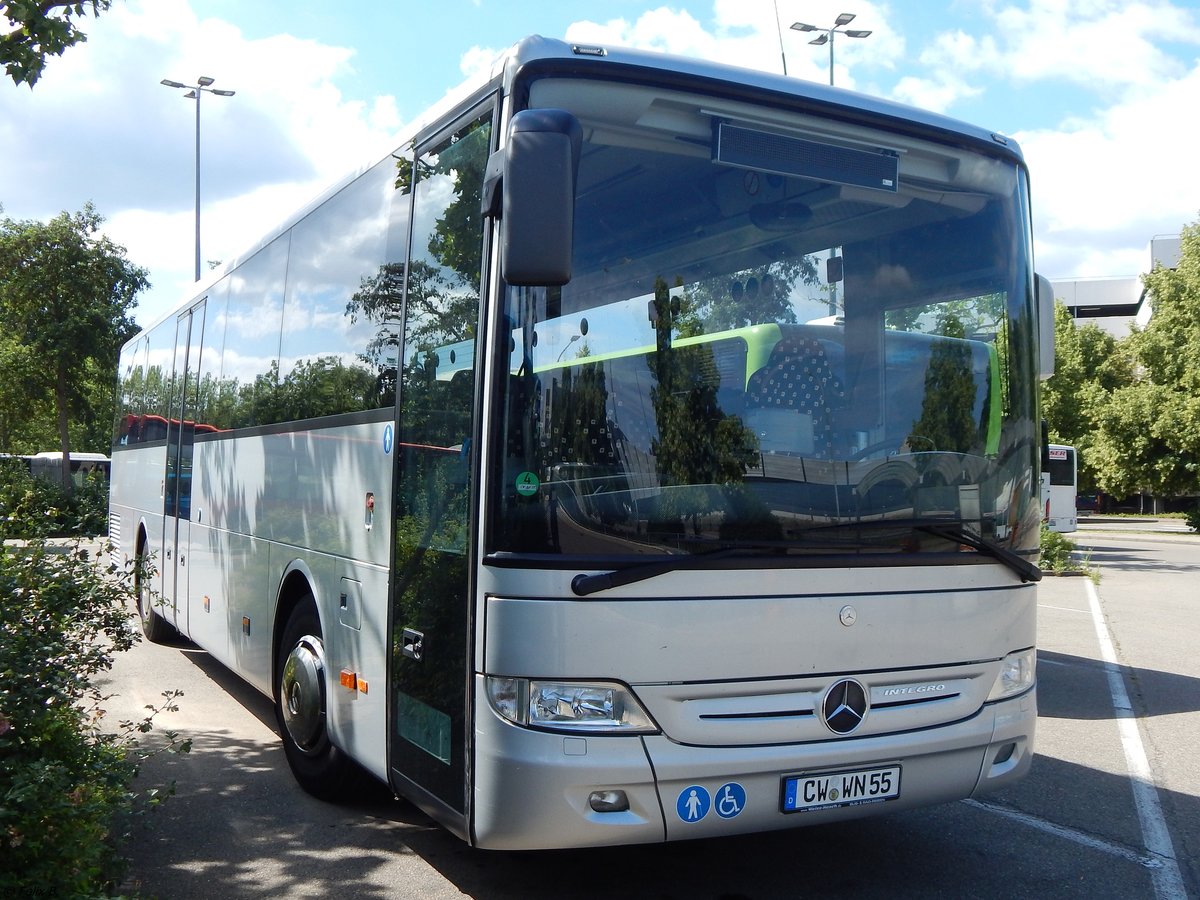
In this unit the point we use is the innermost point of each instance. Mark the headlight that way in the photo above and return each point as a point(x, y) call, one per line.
point(1017, 672)
point(597, 707)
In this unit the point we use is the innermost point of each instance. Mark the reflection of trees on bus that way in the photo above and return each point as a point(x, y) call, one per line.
point(323, 386)
point(436, 399)
point(380, 299)
point(754, 296)
point(698, 443)
point(947, 422)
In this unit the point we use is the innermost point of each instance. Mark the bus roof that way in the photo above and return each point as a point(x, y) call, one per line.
point(589, 60)
point(819, 97)
point(75, 456)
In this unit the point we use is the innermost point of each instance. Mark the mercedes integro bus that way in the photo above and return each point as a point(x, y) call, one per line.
point(646, 449)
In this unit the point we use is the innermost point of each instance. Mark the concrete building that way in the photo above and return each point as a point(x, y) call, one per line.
point(1113, 303)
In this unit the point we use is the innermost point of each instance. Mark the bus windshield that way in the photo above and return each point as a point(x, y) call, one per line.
point(777, 335)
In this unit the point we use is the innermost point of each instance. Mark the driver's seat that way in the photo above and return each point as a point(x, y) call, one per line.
point(788, 400)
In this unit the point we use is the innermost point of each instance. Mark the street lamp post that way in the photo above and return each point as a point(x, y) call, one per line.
point(203, 83)
point(826, 36)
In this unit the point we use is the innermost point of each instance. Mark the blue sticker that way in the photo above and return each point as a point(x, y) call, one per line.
point(387, 439)
point(731, 800)
point(693, 803)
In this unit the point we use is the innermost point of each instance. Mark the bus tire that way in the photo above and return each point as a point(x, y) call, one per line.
point(156, 629)
point(301, 687)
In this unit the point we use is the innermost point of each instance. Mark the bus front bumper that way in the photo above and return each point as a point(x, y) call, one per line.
point(535, 789)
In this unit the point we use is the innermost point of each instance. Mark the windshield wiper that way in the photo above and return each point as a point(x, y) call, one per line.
point(582, 585)
point(952, 530)
point(956, 531)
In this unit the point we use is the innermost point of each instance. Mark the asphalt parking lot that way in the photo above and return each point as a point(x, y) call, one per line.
point(1111, 808)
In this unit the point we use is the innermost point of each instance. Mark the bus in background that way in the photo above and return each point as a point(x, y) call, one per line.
point(645, 449)
point(48, 465)
point(1059, 484)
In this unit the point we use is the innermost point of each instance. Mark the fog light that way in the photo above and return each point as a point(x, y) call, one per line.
point(608, 801)
point(1004, 754)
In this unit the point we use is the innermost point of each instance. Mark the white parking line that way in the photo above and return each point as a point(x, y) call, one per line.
point(1078, 837)
point(1056, 662)
point(1168, 882)
point(1061, 608)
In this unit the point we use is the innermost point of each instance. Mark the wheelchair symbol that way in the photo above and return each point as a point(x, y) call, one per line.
point(730, 800)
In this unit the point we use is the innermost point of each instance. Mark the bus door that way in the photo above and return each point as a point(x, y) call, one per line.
point(177, 484)
point(428, 715)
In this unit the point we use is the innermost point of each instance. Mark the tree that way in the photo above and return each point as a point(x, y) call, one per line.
point(1149, 430)
point(66, 292)
point(25, 427)
point(41, 28)
point(1089, 366)
point(698, 443)
point(946, 422)
point(760, 295)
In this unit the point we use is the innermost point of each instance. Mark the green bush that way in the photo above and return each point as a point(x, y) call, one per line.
point(66, 805)
point(1192, 517)
point(1056, 553)
point(40, 507)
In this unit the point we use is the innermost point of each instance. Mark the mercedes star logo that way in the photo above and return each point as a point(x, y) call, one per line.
point(845, 706)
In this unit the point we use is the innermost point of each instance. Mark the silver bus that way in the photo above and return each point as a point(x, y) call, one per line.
point(647, 449)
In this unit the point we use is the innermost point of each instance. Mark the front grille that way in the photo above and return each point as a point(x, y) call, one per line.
point(784, 711)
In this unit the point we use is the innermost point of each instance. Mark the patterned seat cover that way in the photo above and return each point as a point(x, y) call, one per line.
point(798, 376)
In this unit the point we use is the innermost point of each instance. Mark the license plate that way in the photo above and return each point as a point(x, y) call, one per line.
point(803, 793)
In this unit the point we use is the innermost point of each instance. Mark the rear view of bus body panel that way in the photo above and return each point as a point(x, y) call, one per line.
point(736, 683)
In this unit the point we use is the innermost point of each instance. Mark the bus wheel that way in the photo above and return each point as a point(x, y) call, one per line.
point(322, 769)
point(157, 629)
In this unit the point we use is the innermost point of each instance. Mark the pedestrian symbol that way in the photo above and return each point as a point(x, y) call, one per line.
point(693, 803)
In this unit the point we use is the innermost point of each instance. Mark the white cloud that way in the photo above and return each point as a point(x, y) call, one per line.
point(747, 33)
point(100, 127)
point(1091, 42)
point(1126, 172)
point(478, 61)
point(948, 58)
point(1098, 44)
point(936, 94)
point(736, 41)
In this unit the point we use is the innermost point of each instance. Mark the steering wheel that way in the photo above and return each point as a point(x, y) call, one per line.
point(892, 444)
point(871, 449)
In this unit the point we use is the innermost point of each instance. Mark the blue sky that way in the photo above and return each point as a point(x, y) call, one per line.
point(1101, 95)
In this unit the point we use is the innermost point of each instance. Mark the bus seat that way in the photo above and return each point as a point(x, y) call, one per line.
point(797, 382)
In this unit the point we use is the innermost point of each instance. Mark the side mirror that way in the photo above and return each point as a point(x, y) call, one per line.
point(1045, 312)
point(530, 183)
